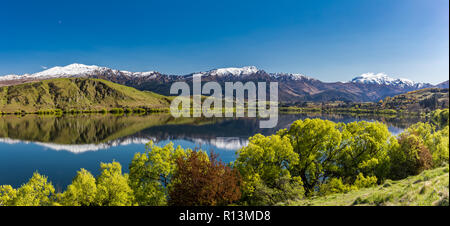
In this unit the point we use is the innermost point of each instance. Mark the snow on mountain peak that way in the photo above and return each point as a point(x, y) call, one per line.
point(371, 78)
point(247, 70)
point(383, 79)
point(292, 76)
point(73, 70)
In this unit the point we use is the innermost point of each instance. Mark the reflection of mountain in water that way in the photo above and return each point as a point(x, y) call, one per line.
point(83, 133)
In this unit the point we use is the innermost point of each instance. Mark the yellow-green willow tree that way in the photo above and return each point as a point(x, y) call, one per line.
point(151, 173)
point(436, 141)
point(36, 192)
point(313, 151)
point(112, 186)
point(317, 143)
point(7, 194)
point(363, 149)
point(265, 165)
point(82, 191)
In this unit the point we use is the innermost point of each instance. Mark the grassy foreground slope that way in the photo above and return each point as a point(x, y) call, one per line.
point(430, 188)
point(75, 93)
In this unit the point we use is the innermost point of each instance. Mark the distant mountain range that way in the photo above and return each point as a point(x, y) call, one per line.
point(292, 87)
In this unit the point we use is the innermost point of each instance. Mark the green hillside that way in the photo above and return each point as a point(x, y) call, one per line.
point(76, 93)
point(430, 188)
point(430, 98)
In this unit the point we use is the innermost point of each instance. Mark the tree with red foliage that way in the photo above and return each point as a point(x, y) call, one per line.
point(203, 181)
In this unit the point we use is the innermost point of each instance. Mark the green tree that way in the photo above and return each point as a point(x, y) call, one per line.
point(82, 191)
point(7, 195)
point(262, 163)
point(36, 192)
point(439, 147)
point(364, 149)
point(112, 186)
point(411, 157)
point(151, 173)
point(437, 142)
point(316, 143)
point(439, 117)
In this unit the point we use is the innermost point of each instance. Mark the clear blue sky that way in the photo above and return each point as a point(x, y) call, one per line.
point(330, 40)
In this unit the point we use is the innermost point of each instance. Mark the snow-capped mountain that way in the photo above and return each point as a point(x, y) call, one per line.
point(291, 76)
point(293, 87)
point(74, 70)
point(233, 71)
point(383, 79)
point(250, 70)
point(443, 85)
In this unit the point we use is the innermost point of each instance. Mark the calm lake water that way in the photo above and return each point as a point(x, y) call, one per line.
point(59, 146)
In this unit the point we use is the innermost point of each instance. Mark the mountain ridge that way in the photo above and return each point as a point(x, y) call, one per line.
point(293, 87)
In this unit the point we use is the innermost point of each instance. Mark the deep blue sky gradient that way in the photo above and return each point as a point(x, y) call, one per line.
point(332, 40)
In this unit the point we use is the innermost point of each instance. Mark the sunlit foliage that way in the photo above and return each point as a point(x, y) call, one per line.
point(204, 181)
point(82, 191)
point(151, 173)
point(313, 157)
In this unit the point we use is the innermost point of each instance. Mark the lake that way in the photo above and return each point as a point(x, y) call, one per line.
point(59, 146)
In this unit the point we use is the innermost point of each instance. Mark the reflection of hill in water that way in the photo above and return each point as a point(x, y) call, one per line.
point(81, 129)
point(95, 132)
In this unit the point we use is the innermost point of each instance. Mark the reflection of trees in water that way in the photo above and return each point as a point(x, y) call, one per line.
point(94, 129)
point(246, 127)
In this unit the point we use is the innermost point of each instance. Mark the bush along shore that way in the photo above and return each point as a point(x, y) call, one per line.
point(314, 162)
point(117, 111)
point(143, 110)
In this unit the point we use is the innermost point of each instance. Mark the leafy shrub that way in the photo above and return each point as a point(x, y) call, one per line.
point(437, 142)
point(116, 111)
point(285, 188)
point(203, 181)
point(139, 110)
point(365, 182)
point(128, 110)
point(410, 157)
point(335, 185)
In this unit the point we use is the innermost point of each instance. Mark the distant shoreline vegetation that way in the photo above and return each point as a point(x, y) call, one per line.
point(416, 103)
point(115, 111)
point(355, 111)
point(291, 109)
